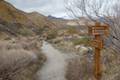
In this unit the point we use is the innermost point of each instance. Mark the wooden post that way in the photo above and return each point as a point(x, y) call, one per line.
point(97, 66)
point(98, 30)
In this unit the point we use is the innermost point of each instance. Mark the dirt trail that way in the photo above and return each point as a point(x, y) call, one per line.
point(55, 66)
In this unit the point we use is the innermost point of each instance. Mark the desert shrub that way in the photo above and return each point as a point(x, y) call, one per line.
point(12, 62)
point(40, 30)
point(25, 32)
point(73, 69)
point(72, 30)
point(84, 40)
point(52, 34)
point(110, 66)
point(19, 59)
point(79, 68)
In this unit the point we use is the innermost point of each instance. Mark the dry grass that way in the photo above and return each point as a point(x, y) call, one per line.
point(73, 72)
point(81, 68)
point(20, 59)
point(111, 65)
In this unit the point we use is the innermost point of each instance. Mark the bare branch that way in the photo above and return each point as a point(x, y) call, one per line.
point(108, 10)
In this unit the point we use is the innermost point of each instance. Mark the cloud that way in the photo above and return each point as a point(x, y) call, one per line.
point(46, 7)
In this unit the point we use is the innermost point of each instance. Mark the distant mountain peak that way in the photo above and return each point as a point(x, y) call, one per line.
point(35, 13)
point(53, 17)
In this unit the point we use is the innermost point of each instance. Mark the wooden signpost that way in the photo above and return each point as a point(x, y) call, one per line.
point(97, 31)
point(97, 43)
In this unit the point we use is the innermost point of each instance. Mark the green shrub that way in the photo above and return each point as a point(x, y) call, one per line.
point(52, 34)
point(25, 32)
point(72, 30)
point(42, 29)
point(85, 40)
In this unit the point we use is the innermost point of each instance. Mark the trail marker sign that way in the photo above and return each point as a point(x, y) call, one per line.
point(97, 43)
point(97, 31)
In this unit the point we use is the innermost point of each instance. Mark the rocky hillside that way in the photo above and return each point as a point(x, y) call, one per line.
point(40, 20)
point(10, 14)
point(15, 21)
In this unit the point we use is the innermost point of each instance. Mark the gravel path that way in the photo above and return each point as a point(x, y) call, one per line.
point(55, 66)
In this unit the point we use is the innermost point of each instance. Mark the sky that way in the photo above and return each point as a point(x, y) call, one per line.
point(46, 7)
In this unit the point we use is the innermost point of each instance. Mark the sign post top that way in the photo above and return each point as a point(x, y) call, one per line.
point(99, 29)
point(97, 24)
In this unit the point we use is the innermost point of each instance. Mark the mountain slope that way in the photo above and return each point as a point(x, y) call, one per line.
point(40, 20)
point(10, 14)
point(14, 21)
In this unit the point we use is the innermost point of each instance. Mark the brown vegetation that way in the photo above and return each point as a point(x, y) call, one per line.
point(81, 67)
point(20, 59)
